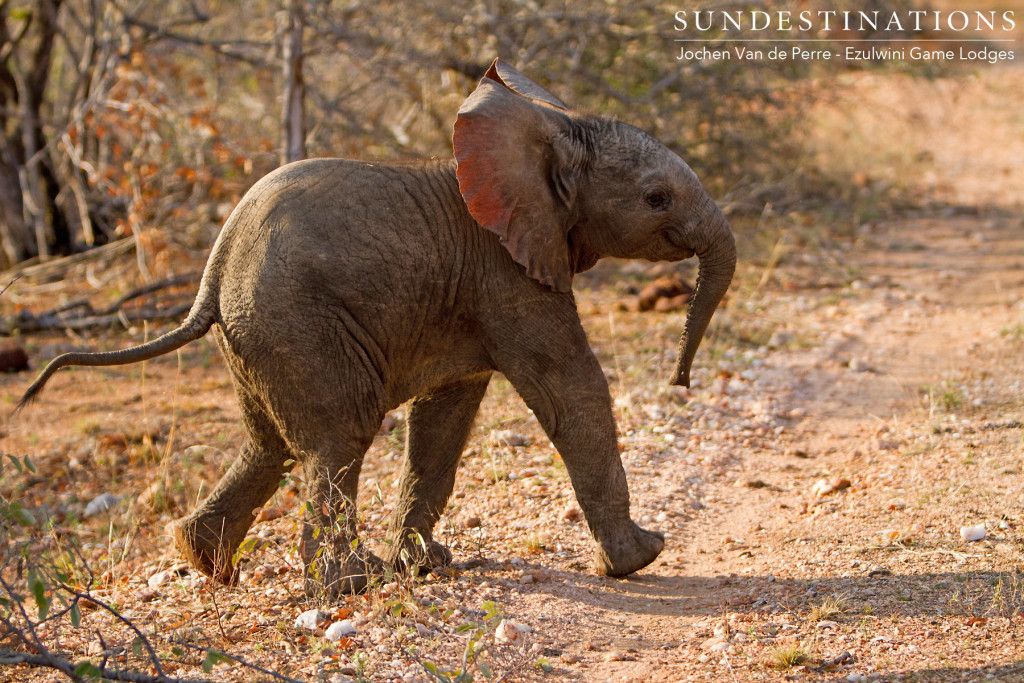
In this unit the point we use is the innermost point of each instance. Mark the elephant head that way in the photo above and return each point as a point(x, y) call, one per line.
point(562, 190)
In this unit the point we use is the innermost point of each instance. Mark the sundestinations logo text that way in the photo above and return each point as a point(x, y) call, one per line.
point(852, 35)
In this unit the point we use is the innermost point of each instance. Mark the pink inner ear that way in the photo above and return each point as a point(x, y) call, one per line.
point(478, 173)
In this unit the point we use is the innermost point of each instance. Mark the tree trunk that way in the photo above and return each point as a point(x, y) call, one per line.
point(16, 237)
point(293, 146)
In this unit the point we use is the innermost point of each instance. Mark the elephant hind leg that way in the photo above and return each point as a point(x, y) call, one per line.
point(332, 433)
point(209, 537)
point(335, 560)
point(439, 424)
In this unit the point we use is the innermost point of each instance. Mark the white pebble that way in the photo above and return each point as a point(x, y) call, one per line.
point(821, 488)
point(858, 365)
point(510, 632)
point(160, 578)
point(506, 437)
point(310, 620)
point(101, 503)
point(339, 630)
point(973, 533)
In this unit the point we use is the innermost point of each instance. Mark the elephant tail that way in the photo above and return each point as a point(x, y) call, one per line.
point(198, 323)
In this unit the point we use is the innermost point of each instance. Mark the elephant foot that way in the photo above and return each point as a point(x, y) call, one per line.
point(330, 578)
point(416, 553)
point(205, 548)
point(623, 552)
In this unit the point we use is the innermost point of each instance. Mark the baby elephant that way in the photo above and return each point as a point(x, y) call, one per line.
point(339, 289)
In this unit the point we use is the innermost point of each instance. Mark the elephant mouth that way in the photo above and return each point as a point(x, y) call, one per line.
point(680, 250)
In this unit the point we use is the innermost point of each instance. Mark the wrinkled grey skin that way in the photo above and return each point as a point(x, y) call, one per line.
point(340, 289)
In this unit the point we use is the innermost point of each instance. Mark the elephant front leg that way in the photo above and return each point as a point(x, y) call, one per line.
point(558, 376)
point(438, 426)
point(582, 428)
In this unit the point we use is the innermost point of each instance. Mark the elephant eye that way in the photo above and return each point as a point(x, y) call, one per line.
point(658, 200)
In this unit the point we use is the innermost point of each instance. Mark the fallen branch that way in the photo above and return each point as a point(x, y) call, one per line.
point(58, 265)
point(41, 656)
point(52, 661)
point(42, 324)
point(88, 317)
point(173, 281)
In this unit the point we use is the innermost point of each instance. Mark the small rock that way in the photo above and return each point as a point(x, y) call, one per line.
point(973, 533)
point(567, 658)
point(889, 536)
point(310, 620)
point(572, 513)
point(821, 488)
point(101, 503)
point(839, 483)
point(843, 657)
point(510, 632)
point(711, 644)
point(615, 656)
point(749, 483)
point(858, 365)
point(506, 437)
point(147, 594)
point(340, 678)
point(779, 338)
point(162, 577)
point(827, 624)
point(526, 579)
point(388, 424)
point(13, 359)
point(824, 487)
point(339, 630)
point(267, 514)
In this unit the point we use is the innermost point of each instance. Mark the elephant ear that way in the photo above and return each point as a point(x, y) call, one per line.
point(516, 171)
point(503, 73)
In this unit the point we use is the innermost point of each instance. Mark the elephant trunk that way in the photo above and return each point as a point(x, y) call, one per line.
point(717, 262)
